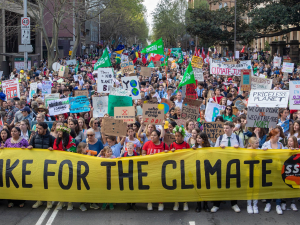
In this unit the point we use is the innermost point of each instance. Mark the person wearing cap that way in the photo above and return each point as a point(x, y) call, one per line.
point(26, 114)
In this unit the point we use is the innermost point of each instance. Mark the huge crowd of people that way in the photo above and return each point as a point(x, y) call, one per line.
point(26, 121)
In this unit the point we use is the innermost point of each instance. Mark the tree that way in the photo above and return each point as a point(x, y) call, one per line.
point(267, 46)
point(274, 19)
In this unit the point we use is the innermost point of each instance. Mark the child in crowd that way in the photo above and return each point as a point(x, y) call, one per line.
point(131, 138)
point(112, 143)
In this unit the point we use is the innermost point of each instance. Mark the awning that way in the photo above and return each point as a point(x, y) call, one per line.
point(19, 54)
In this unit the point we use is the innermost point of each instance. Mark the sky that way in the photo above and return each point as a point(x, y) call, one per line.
point(150, 6)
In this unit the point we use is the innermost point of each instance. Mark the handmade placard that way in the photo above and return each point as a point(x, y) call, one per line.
point(153, 114)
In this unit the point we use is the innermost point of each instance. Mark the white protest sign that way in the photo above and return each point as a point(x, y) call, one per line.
point(11, 88)
point(229, 69)
point(258, 83)
point(58, 106)
point(119, 92)
point(294, 94)
point(71, 62)
point(263, 117)
point(212, 111)
point(277, 61)
point(105, 80)
point(76, 77)
point(50, 97)
point(288, 67)
point(132, 84)
point(198, 74)
point(47, 85)
point(100, 105)
point(33, 88)
point(269, 98)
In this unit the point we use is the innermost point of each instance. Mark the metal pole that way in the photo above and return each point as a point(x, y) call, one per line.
point(234, 28)
point(99, 30)
point(25, 53)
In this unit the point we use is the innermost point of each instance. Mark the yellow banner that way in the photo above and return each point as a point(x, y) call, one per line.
point(185, 175)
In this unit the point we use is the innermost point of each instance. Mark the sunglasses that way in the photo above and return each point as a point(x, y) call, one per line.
point(229, 109)
point(34, 97)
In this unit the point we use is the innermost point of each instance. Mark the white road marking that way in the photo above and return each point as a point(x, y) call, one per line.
point(192, 223)
point(53, 215)
point(43, 216)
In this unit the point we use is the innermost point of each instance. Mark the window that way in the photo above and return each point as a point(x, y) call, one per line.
point(220, 5)
point(225, 4)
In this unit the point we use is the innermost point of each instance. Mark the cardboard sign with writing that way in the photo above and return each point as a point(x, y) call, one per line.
point(145, 71)
point(153, 114)
point(198, 74)
point(81, 93)
point(240, 104)
point(269, 98)
point(258, 83)
point(169, 138)
point(127, 67)
point(113, 127)
point(180, 122)
point(189, 111)
point(127, 114)
point(63, 71)
point(246, 80)
point(262, 117)
point(191, 91)
point(213, 130)
point(157, 63)
point(197, 62)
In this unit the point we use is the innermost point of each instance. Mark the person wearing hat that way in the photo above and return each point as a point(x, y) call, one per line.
point(169, 93)
point(26, 114)
point(2, 98)
point(43, 109)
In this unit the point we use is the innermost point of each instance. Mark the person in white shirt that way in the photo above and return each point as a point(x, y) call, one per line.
point(179, 101)
point(227, 140)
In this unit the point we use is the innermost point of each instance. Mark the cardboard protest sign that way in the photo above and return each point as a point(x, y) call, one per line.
point(197, 62)
point(271, 98)
point(263, 117)
point(145, 71)
point(246, 80)
point(100, 105)
point(127, 114)
point(119, 92)
point(50, 97)
point(190, 109)
point(11, 88)
point(276, 61)
point(288, 67)
point(258, 83)
point(198, 74)
point(132, 84)
point(167, 105)
point(180, 122)
point(63, 71)
point(105, 80)
point(113, 127)
point(81, 93)
point(169, 138)
point(127, 67)
point(79, 104)
point(117, 101)
point(58, 106)
point(213, 130)
point(212, 111)
point(153, 114)
point(240, 104)
point(230, 69)
point(157, 63)
point(294, 94)
point(46, 87)
point(33, 89)
point(191, 91)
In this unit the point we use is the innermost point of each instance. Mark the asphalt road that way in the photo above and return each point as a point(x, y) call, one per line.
point(42, 216)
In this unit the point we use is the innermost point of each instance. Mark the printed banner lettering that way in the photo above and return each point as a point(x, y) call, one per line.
point(230, 69)
point(206, 174)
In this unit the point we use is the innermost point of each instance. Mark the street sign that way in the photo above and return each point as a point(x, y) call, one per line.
point(25, 48)
point(25, 37)
point(25, 23)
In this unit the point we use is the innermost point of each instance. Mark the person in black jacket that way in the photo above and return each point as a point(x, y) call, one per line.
point(42, 139)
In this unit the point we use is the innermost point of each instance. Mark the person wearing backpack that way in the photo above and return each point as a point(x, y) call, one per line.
point(229, 139)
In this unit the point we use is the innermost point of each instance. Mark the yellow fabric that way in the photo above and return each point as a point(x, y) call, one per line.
point(163, 177)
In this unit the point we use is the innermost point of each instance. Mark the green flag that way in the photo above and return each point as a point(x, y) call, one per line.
point(188, 77)
point(151, 64)
point(156, 48)
point(104, 61)
point(180, 55)
point(76, 68)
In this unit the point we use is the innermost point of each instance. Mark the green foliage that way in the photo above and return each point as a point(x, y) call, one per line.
point(276, 18)
point(267, 46)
